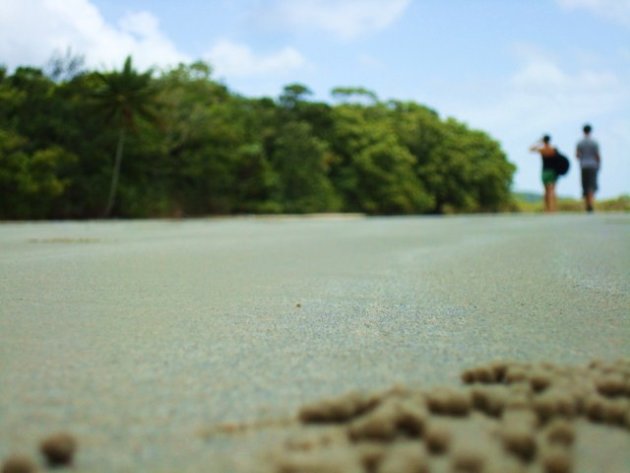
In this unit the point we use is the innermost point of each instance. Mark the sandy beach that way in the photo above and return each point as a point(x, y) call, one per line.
point(145, 339)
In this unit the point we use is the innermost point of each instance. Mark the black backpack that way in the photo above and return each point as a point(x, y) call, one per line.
point(560, 163)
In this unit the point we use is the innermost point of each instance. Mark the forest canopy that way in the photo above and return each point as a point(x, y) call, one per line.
point(80, 143)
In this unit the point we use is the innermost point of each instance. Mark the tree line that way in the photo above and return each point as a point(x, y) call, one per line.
point(80, 143)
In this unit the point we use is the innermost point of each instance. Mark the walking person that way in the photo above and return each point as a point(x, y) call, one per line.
point(549, 174)
point(587, 154)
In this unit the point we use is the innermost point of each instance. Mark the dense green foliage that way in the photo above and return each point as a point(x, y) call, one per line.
point(193, 147)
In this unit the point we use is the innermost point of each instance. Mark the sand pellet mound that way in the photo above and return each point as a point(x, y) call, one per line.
point(505, 417)
point(18, 464)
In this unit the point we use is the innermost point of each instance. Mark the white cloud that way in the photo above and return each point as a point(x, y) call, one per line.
point(544, 93)
point(615, 10)
point(238, 60)
point(544, 76)
point(346, 19)
point(540, 74)
point(32, 30)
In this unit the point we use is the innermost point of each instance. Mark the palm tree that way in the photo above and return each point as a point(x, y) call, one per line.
point(123, 98)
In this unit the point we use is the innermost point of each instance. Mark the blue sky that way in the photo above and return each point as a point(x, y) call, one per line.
point(515, 68)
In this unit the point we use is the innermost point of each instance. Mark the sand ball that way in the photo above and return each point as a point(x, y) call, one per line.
point(459, 403)
point(449, 402)
point(411, 418)
point(557, 460)
point(611, 385)
point(595, 407)
point(378, 424)
point(437, 438)
point(566, 403)
point(520, 441)
point(615, 411)
point(484, 374)
point(539, 381)
point(59, 449)
point(553, 403)
point(515, 374)
point(371, 455)
point(18, 464)
point(437, 400)
point(499, 370)
point(561, 432)
point(490, 401)
point(336, 410)
point(468, 376)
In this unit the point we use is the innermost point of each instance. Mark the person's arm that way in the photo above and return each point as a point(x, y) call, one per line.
point(597, 157)
point(535, 147)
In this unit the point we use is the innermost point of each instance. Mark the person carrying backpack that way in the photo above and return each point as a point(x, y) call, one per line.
point(549, 174)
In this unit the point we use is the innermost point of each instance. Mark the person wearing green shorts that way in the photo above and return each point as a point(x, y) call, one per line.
point(549, 175)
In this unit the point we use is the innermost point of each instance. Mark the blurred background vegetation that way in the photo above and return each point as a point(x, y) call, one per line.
point(532, 202)
point(76, 143)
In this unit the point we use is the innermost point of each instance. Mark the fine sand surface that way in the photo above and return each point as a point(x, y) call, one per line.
point(186, 346)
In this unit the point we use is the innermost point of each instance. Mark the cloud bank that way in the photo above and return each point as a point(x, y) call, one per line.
point(614, 10)
point(345, 19)
point(543, 84)
point(32, 30)
point(238, 60)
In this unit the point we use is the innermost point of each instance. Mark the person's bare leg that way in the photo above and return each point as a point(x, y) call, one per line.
point(590, 201)
point(546, 199)
point(552, 198)
point(548, 189)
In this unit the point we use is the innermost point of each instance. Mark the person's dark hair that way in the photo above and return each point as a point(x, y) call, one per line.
point(546, 139)
point(587, 128)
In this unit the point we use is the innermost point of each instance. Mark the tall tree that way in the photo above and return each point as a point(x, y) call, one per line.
point(124, 97)
point(301, 161)
point(373, 170)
